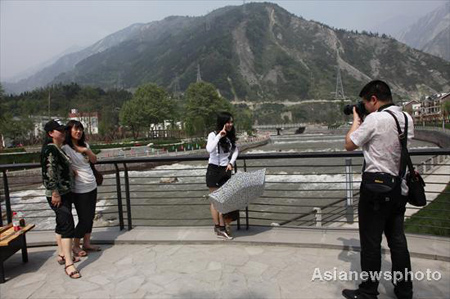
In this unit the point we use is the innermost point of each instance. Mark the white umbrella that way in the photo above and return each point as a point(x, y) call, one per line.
point(239, 191)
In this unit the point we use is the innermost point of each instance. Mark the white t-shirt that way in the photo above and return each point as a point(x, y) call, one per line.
point(216, 158)
point(378, 138)
point(84, 178)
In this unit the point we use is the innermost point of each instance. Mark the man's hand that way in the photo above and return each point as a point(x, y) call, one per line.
point(349, 145)
point(56, 199)
point(356, 118)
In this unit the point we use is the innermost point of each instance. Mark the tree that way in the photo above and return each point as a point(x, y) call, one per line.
point(243, 118)
point(109, 122)
point(2, 112)
point(17, 129)
point(202, 105)
point(131, 116)
point(445, 111)
point(149, 105)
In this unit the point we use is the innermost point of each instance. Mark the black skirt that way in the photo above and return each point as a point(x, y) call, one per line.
point(216, 175)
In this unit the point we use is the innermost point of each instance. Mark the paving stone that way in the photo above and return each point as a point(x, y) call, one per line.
point(99, 279)
point(30, 278)
point(129, 285)
point(212, 270)
point(253, 269)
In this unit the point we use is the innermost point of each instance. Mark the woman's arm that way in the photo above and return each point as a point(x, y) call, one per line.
point(213, 140)
point(230, 165)
point(50, 173)
point(234, 156)
point(86, 151)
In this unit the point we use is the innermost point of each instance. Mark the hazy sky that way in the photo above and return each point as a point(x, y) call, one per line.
point(34, 31)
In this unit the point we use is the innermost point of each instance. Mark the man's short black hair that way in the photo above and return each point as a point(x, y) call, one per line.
point(378, 88)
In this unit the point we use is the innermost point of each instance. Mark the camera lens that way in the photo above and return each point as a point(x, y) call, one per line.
point(348, 109)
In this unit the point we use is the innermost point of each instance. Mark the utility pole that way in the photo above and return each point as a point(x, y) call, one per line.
point(49, 101)
point(339, 94)
point(176, 86)
point(339, 87)
point(207, 22)
point(199, 76)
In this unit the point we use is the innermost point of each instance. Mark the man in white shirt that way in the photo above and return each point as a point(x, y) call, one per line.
point(380, 213)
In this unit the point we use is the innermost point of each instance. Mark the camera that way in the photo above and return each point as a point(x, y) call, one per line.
point(360, 109)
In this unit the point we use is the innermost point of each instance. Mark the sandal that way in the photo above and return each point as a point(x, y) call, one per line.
point(80, 253)
point(62, 261)
point(92, 248)
point(73, 273)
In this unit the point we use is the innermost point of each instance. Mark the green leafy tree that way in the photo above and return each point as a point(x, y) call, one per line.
point(2, 112)
point(109, 122)
point(446, 111)
point(243, 117)
point(149, 105)
point(202, 105)
point(132, 117)
point(17, 129)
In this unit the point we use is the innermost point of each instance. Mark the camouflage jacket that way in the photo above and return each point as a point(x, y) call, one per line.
point(56, 172)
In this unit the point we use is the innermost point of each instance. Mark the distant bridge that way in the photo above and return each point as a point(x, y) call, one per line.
point(279, 126)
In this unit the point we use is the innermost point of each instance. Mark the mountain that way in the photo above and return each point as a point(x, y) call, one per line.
point(37, 68)
point(262, 53)
point(430, 33)
point(67, 62)
point(394, 26)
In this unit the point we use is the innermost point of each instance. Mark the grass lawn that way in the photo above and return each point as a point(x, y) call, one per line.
point(439, 211)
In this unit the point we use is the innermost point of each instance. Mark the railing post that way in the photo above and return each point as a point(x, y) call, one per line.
point(7, 199)
point(318, 216)
point(127, 197)
point(247, 225)
point(119, 197)
point(349, 189)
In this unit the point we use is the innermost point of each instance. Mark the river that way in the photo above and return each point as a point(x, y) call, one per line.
point(293, 187)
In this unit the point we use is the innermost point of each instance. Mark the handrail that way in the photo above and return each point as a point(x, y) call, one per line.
point(340, 154)
point(282, 204)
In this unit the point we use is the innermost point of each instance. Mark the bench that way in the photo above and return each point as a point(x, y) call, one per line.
point(10, 242)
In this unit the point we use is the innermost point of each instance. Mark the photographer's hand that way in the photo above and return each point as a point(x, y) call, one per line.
point(349, 145)
point(356, 118)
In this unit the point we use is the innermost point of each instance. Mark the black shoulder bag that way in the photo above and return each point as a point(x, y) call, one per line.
point(98, 176)
point(416, 194)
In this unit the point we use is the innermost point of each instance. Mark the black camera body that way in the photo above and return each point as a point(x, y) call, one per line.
point(360, 109)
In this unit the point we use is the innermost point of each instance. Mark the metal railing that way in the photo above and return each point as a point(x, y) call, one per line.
point(302, 189)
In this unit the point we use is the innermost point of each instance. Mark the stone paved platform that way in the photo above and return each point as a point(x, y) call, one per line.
point(188, 262)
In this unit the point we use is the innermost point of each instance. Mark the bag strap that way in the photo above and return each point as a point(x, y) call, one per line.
point(405, 159)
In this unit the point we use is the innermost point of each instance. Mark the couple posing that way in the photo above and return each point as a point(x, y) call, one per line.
point(68, 178)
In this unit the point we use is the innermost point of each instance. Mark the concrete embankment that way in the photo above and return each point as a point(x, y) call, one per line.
point(441, 138)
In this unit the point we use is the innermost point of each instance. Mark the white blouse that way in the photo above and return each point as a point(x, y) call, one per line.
point(216, 157)
point(84, 177)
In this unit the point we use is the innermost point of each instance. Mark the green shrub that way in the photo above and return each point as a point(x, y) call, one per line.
point(12, 150)
point(434, 219)
point(20, 158)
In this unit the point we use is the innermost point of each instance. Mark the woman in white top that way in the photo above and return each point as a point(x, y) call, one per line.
point(85, 189)
point(223, 153)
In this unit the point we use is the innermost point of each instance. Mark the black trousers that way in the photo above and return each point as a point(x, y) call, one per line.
point(65, 225)
point(378, 215)
point(85, 204)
